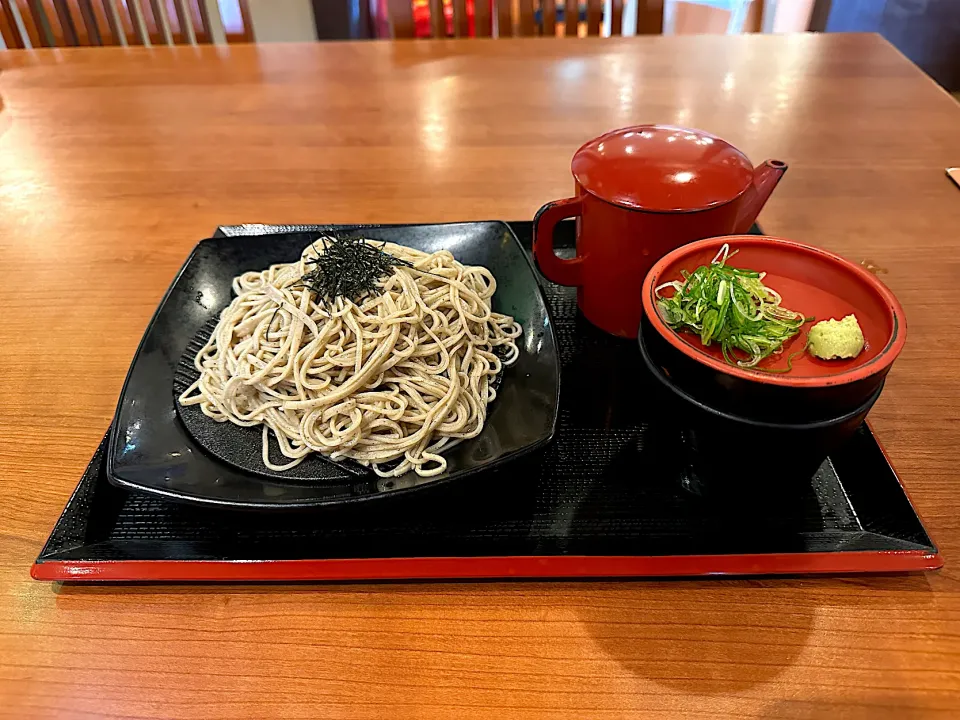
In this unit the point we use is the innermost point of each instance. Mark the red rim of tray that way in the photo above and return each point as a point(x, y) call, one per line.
point(875, 365)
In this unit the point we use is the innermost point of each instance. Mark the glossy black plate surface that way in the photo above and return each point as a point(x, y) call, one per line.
point(151, 450)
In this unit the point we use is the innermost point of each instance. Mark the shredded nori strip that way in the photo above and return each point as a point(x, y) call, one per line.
point(349, 268)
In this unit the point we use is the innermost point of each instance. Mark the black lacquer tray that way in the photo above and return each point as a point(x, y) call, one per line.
point(611, 496)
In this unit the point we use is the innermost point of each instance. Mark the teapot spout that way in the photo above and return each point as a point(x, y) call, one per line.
point(765, 179)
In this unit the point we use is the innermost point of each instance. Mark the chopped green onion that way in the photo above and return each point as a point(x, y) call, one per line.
point(732, 307)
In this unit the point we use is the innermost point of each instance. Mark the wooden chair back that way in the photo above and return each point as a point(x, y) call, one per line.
point(92, 23)
point(496, 18)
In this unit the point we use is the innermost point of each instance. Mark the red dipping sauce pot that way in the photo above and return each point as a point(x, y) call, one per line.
point(641, 192)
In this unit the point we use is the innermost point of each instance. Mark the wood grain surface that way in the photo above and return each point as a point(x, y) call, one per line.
point(114, 162)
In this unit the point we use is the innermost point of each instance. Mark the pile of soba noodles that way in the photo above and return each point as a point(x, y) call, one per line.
point(389, 380)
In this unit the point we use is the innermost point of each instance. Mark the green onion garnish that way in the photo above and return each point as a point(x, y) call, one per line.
point(733, 307)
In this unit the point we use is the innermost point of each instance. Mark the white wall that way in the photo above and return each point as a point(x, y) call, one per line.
point(792, 15)
point(283, 20)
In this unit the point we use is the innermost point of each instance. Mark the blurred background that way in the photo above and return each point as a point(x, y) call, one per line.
point(926, 31)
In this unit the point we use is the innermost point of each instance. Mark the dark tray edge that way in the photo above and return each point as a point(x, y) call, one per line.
point(488, 568)
point(50, 565)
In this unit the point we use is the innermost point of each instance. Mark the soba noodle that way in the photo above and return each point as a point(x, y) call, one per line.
point(390, 381)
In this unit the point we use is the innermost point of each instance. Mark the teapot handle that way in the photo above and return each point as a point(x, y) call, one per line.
point(559, 270)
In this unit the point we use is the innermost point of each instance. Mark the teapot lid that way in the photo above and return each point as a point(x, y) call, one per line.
point(662, 169)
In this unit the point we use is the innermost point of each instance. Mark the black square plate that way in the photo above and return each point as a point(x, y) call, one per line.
point(151, 451)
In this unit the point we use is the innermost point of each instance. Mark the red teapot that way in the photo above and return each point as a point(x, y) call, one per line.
point(641, 192)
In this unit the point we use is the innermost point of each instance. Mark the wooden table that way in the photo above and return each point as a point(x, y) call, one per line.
point(114, 162)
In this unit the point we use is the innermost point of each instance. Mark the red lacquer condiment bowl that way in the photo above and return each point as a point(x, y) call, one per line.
point(810, 280)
